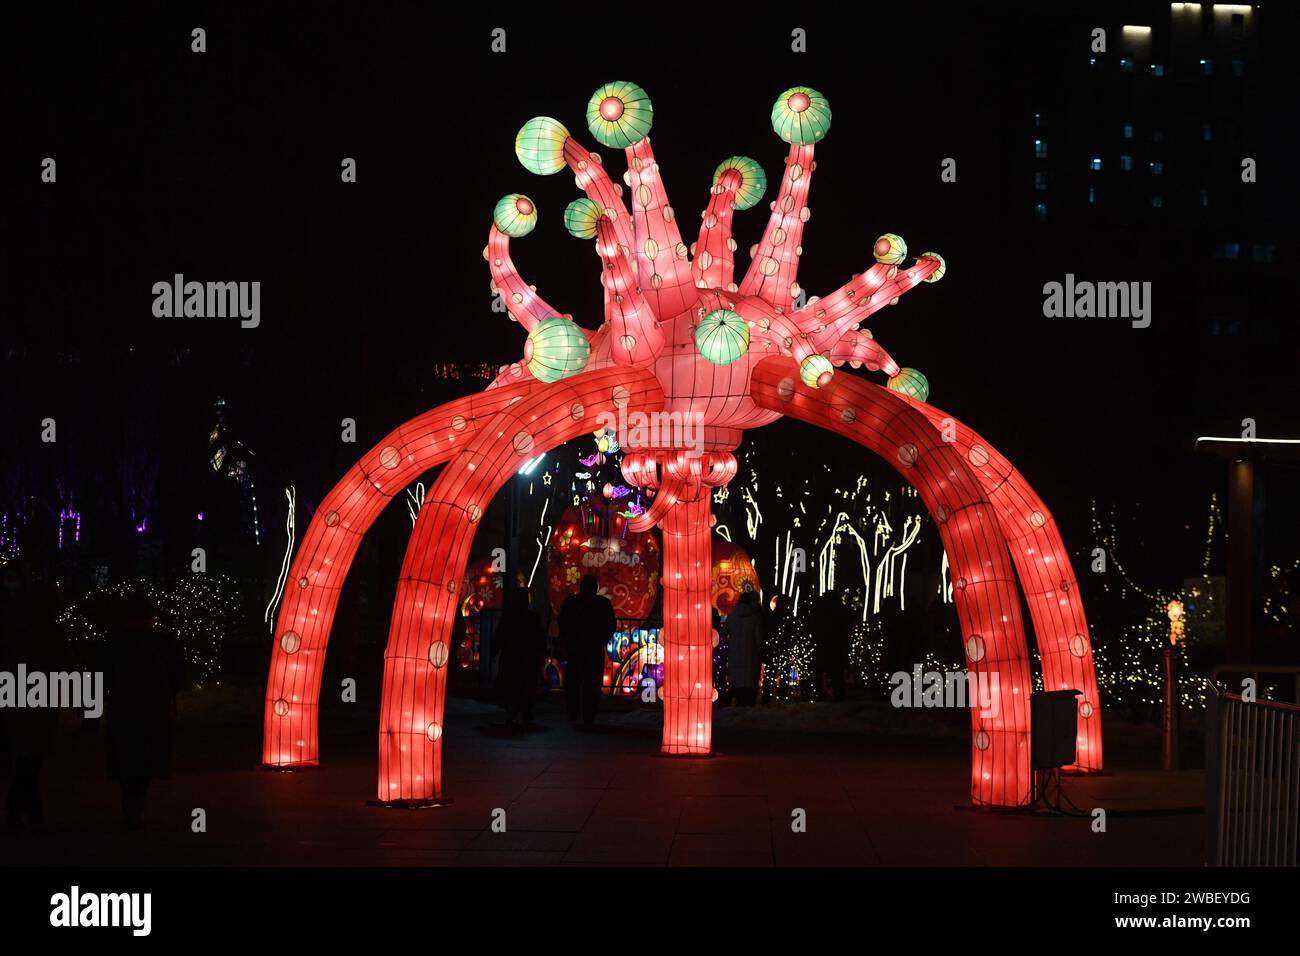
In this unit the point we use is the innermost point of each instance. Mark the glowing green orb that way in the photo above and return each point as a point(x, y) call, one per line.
point(515, 215)
point(890, 249)
point(556, 349)
point(722, 336)
point(801, 116)
point(910, 382)
point(539, 145)
point(581, 216)
point(619, 114)
point(816, 371)
point(937, 274)
point(753, 181)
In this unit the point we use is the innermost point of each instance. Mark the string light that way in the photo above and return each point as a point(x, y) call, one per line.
point(201, 610)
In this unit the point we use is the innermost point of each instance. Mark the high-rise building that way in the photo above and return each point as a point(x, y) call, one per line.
point(1150, 130)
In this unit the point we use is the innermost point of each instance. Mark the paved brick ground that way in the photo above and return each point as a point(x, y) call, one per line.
point(607, 798)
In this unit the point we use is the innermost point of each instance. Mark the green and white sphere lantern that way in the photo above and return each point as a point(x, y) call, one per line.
point(889, 249)
point(619, 114)
point(753, 181)
point(816, 371)
point(937, 274)
point(801, 116)
point(539, 144)
point(912, 383)
point(515, 215)
point(556, 349)
point(722, 336)
point(581, 216)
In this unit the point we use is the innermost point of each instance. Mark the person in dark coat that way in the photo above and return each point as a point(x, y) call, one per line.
point(587, 623)
point(29, 635)
point(745, 648)
point(521, 645)
point(141, 679)
point(832, 626)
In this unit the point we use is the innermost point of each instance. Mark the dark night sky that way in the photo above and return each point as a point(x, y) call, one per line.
point(225, 166)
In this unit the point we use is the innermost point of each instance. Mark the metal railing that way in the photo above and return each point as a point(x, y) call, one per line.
point(1252, 775)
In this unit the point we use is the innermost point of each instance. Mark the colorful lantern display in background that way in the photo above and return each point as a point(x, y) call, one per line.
point(732, 569)
point(650, 358)
point(627, 567)
point(483, 587)
point(634, 659)
point(483, 590)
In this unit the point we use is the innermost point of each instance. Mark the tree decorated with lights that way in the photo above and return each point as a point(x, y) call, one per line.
point(682, 338)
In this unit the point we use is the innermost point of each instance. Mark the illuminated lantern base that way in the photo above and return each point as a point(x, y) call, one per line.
point(687, 633)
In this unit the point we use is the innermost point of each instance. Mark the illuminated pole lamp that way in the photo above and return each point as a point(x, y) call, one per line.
point(1169, 721)
point(684, 335)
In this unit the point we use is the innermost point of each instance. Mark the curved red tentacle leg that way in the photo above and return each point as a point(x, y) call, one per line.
point(988, 606)
point(428, 593)
point(311, 594)
point(1046, 577)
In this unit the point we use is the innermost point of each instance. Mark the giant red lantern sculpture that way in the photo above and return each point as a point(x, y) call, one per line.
point(683, 344)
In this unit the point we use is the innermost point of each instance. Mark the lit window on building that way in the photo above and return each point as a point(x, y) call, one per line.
point(1038, 119)
point(1157, 69)
point(1092, 194)
point(1095, 163)
point(1207, 67)
point(1126, 64)
point(1040, 149)
point(1230, 250)
point(1040, 211)
point(1128, 130)
point(1157, 167)
point(1040, 180)
point(1157, 201)
point(1126, 163)
point(1264, 253)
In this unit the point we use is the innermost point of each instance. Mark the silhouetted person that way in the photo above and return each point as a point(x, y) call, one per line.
point(141, 678)
point(832, 625)
point(521, 645)
point(30, 636)
point(586, 624)
point(745, 648)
